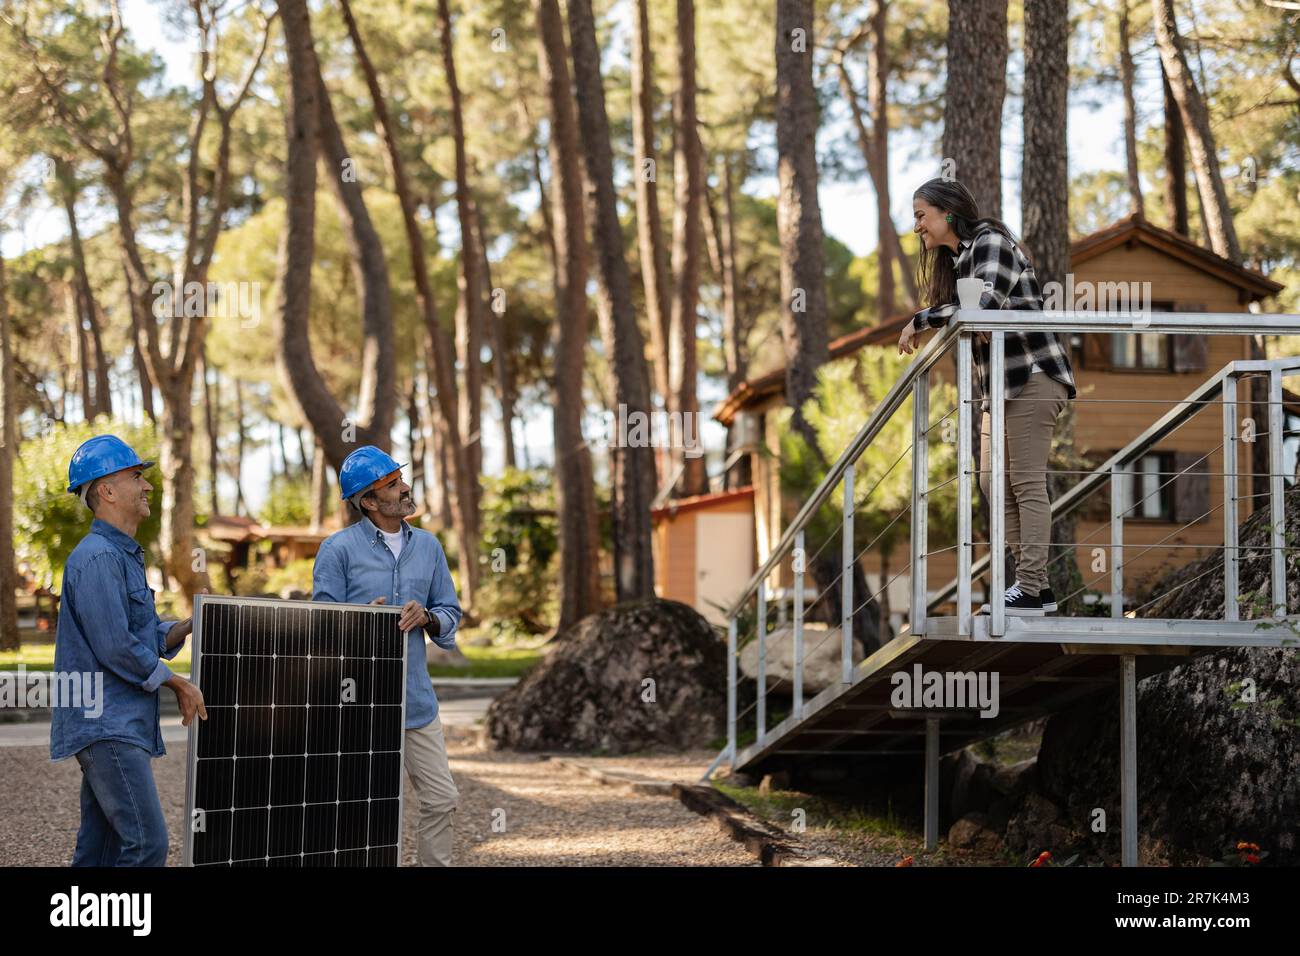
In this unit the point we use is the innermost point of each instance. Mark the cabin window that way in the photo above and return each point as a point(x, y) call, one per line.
point(1146, 493)
point(1142, 350)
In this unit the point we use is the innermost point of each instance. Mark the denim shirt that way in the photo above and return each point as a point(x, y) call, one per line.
point(355, 566)
point(108, 625)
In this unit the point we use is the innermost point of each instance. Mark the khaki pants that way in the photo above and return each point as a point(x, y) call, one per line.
point(435, 791)
point(1030, 420)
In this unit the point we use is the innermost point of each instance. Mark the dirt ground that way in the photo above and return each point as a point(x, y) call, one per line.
point(552, 816)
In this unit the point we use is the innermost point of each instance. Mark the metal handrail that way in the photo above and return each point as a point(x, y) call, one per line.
point(934, 350)
point(916, 381)
point(1154, 434)
point(1005, 320)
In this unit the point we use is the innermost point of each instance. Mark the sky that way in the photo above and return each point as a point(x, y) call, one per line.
point(848, 214)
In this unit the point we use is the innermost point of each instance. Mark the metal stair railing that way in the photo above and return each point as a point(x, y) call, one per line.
point(915, 381)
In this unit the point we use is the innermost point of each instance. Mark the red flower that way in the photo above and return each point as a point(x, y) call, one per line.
point(1251, 858)
point(905, 861)
point(1044, 859)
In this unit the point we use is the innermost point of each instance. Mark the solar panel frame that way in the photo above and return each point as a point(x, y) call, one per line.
point(192, 757)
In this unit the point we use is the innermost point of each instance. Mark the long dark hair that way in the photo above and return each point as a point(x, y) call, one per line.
point(936, 272)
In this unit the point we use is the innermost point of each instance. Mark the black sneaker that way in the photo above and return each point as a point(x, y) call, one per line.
point(1049, 600)
point(1018, 603)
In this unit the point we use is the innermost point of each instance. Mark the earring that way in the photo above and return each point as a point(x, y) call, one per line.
point(948, 217)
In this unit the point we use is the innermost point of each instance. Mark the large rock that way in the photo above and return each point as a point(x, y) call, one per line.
point(974, 832)
point(822, 664)
point(591, 691)
point(1212, 768)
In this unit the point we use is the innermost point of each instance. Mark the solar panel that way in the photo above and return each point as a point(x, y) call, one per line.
point(300, 760)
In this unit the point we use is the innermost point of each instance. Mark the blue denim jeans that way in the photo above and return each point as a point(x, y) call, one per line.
point(121, 818)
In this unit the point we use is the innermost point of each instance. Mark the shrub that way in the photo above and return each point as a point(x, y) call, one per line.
point(49, 522)
point(518, 548)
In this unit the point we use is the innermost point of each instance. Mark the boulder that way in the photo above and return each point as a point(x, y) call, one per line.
point(821, 664)
point(1030, 828)
point(1213, 766)
point(643, 675)
point(974, 832)
point(440, 657)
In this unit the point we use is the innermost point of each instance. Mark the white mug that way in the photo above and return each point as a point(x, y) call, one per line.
point(969, 291)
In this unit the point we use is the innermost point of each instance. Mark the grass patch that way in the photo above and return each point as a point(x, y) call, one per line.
point(778, 806)
point(491, 661)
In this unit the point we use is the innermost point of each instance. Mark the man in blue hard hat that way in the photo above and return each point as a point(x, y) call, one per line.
point(383, 560)
point(108, 626)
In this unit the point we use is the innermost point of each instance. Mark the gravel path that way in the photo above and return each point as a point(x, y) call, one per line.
point(551, 816)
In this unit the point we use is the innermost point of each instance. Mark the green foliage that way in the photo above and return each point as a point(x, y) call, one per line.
point(519, 545)
point(48, 521)
point(294, 576)
point(846, 395)
point(288, 502)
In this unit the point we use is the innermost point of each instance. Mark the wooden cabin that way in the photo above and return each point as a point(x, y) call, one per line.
point(1124, 383)
point(704, 550)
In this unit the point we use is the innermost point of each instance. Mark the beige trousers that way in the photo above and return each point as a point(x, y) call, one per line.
point(435, 791)
point(1030, 420)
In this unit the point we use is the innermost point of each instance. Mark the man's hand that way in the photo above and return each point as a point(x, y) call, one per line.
point(189, 697)
point(183, 629)
point(414, 615)
point(907, 339)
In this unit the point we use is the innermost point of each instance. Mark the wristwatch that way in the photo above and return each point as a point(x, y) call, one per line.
point(433, 619)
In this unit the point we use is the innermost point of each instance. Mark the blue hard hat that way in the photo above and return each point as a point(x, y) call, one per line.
point(363, 468)
point(100, 456)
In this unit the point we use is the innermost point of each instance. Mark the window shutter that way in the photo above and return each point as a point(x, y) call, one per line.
point(1189, 353)
point(1192, 490)
point(1096, 351)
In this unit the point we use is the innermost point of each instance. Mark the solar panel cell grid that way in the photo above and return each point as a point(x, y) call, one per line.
point(300, 760)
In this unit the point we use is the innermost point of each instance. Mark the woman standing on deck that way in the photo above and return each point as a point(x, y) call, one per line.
point(957, 244)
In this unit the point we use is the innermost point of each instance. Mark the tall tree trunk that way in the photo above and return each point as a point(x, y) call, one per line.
point(1175, 161)
point(798, 215)
point(633, 480)
point(443, 414)
point(240, 508)
point(8, 452)
point(211, 420)
point(415, 438)
point(688, 189)
point(890, 244)
point(650, 241)
point(376, 394)
point(80, 358)
point(95, 392)
point(469, 314)
point(144, 382)
point(977, 85)
point(878, 76)
point(1196, 126)
point(505, 386)
point(734, 327)
point(1044, 194)
point(574, 493)
point(309, 125)
point(1136, 205)
point(1044, 211)
point(320, 501)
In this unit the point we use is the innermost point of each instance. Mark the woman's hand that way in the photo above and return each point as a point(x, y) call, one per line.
point(907, 340)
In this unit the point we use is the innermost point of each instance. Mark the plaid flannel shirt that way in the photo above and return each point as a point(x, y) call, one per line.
point(991, 256)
